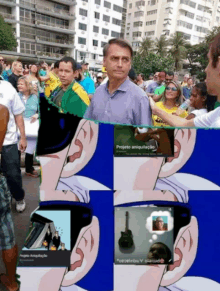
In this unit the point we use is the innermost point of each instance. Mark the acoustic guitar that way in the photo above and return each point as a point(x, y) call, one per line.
point(126, 239)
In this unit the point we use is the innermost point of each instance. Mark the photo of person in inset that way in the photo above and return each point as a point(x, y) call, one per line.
point(56, 241)
point(159, 224)
point(48, 238)
point(63, 247)
point(159, 253)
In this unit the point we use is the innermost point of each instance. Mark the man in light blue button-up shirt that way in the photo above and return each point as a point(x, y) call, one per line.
point(119, 100)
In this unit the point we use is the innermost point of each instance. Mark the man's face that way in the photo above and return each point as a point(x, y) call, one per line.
point(169, 79)
point(117, 62)
point(156, 76)
point(85, 68)
point(190, 82)
point(159, 224)
point(2, 62)
point(212, 77)
point(66, 73)
point(161, 77)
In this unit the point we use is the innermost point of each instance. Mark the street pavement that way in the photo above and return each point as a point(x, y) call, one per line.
point(21, 220)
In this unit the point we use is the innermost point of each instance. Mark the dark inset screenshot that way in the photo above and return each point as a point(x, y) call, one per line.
point(144, 235)
point(140, 141)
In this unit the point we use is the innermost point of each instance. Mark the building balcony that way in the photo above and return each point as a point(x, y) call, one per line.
point(10, 3)
point(26, 4)
point(10, 18)
point(67, 2)
point(47, 55)
point(55, 42)
point(55, 12)
point(54, 27)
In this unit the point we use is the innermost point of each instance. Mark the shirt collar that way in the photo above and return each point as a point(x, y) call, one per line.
point(123, 87)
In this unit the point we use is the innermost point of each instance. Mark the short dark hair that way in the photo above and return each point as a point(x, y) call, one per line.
point(210, 100)
point(41, 63)
point(170, 73)
point(69, 60)
point(215, 50)
point(120, 42)
point(56, 65)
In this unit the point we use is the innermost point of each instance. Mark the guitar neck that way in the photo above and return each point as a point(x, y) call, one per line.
point(126, 223)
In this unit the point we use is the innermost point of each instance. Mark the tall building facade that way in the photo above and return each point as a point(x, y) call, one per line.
point(152, 18)
point(97, 21)
point(44, 29)
point(51, 29)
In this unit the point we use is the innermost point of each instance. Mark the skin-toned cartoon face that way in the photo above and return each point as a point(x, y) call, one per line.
point(117, 62)
point(22, 86)
point(143, 172)
point(196, 100)
point(171, 92)
point(66, 73)
point(212, 76)
point(159, 223)
point(69, 161)
point(136, 278)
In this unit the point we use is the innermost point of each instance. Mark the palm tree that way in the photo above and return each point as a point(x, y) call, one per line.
point(161, 44)
point(146, 47)
point(178, 48)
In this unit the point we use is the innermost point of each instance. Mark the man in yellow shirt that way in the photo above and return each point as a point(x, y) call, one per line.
point(54, 80)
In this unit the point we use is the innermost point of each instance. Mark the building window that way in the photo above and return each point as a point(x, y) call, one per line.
point(149, 33)
point(82, 26)
point(204, 9)
point(152, 22)
point(95, 42)
point(201, 29)
point(117, 8)
point(187, 14)
point(96, 29)
point(139, 13)
point(106, 18)
point(189, 3)
point(184, 24)
point(93, 56)
point(105, 31)
point(130, 5)
point(82, 12)
point(103, 43)
point(136, 33)
point(115, 34)
point(136, 44)
point(116, 21)
point(81, 40)
point(129, 15)
point(151, 12)
point(98, 2)
point(138, 24)
point(140, 3)
point(85, 0)
point(107, 4)
point(97, 15)
point(152, 2)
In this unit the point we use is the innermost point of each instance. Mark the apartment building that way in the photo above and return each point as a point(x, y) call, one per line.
point(97, 21)
point(151, 18)
point(44, 29)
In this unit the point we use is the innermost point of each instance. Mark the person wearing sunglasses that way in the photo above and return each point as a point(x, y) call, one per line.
point(171, 100)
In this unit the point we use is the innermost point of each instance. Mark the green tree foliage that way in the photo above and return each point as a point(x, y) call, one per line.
point(178, 49)
point(152, 63)
point(161, 45)
point(146, 47)
point(7, 38)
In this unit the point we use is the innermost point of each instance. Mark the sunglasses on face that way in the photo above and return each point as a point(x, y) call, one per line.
point(172, 88)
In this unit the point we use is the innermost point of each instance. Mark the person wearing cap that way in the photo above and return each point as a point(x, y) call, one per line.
point(54, 80)
point(85, 81)
point(119, 100)
point(70, 95)
point(85, 69)
point(99, 80)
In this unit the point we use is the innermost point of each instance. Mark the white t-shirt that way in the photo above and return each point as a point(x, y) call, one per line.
point(10, 98)
point(211, 119)
point(199, 112)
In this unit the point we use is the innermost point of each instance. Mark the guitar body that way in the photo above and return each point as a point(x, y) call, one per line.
point(126, 240)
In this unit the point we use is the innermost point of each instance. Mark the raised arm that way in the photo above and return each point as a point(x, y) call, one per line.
point(4, 118)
